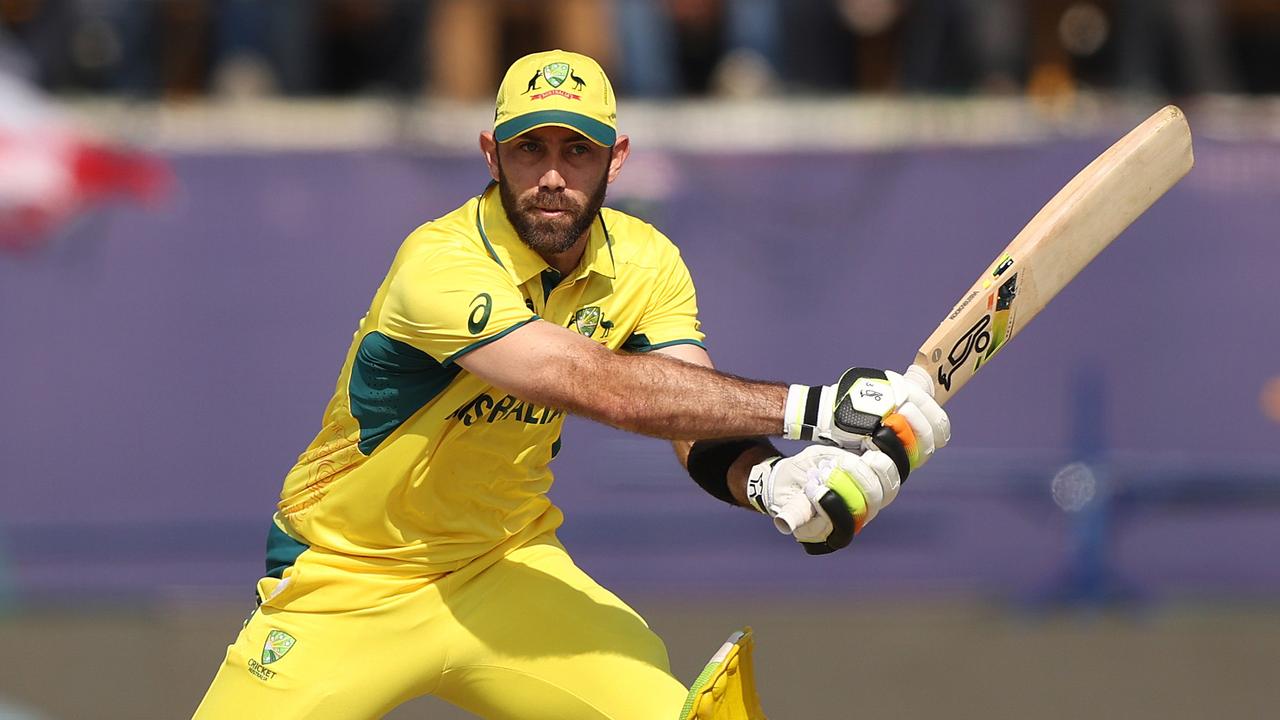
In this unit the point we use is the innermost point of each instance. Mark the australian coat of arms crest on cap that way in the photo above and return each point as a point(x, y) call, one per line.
point(556, 73)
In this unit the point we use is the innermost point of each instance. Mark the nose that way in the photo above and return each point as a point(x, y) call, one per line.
point(551, 181)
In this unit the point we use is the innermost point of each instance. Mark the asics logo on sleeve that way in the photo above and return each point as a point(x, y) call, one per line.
point(481, 308)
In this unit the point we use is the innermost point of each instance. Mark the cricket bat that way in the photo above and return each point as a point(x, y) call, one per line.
point(1082, 219)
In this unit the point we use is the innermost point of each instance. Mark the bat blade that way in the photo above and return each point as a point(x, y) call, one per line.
point(1068, 232)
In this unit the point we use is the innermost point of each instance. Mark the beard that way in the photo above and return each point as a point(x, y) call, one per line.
point(550, 236)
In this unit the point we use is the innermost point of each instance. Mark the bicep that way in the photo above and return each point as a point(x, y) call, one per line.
point(534, 362)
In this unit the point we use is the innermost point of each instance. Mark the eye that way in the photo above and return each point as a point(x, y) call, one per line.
point(528, 146)
point(579, 150)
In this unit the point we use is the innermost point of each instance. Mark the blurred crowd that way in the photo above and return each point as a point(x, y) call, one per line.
point(457, 49)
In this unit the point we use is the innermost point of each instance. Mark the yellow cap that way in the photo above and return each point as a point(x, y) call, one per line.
point(556, 88)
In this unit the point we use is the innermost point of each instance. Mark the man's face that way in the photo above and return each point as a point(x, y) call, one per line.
point(552, 181)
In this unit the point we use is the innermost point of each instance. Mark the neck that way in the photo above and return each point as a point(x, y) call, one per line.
point(565, 262)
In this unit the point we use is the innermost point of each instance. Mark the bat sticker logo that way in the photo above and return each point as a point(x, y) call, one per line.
point(873, 394)
point(976, 339)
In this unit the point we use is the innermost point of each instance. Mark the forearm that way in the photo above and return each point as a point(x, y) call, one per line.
point(653, 394)
point(664, 397)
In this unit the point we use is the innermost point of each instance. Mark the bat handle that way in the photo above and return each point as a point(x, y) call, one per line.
point(920, 376)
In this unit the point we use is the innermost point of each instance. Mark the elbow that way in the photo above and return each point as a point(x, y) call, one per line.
point(596, 384)
point(580, 384)
point(603, 399)
point(616, 410)
point(634, 414)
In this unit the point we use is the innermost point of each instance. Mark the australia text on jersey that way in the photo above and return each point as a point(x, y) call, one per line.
point(483, 406)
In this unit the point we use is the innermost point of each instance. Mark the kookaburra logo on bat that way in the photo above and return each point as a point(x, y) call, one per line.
point(976, 339)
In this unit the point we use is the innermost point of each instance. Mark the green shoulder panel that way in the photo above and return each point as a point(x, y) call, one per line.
point(390, 381)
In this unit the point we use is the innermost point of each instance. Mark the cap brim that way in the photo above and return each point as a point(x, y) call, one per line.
point(593, 129)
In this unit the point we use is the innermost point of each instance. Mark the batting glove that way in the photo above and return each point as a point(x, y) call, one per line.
point(823, 496)
point(870, 410)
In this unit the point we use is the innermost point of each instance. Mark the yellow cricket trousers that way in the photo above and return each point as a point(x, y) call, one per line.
point(529, 636)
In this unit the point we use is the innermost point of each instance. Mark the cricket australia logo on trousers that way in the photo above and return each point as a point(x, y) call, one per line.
point(277, 645)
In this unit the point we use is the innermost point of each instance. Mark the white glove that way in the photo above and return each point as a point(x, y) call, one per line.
point(871, 410)
point(824, 495)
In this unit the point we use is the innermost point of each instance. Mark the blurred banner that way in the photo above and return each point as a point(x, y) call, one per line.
point(50, 171)
point(161, 376)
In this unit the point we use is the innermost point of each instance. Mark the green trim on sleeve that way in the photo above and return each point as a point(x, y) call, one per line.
point(638, 342)
point(669, 343)
point(485, 341)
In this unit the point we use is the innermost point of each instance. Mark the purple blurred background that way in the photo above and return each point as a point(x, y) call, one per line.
point(161, 369)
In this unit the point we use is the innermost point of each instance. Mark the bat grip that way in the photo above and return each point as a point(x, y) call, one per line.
point(920, 377)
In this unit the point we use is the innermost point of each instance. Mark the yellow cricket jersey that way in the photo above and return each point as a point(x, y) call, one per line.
point(420, 462)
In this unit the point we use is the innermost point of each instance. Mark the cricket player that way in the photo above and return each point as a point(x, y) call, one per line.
point(414, 548)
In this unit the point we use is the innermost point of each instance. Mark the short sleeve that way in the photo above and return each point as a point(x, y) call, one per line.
point(672, 315)
point(451, 302)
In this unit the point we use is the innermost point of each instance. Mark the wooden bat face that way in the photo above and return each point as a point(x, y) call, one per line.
point(1082, 219)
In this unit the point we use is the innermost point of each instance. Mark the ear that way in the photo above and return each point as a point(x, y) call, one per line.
point(489, 147)
point(618, 155)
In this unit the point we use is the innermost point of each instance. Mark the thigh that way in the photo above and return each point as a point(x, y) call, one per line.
point(538, 638)
point(329, 644)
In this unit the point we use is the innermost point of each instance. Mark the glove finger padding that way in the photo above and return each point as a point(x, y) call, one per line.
point(932, 413)
point(855, 493)
point(833, 493)
point(887, 440)
point(922, 439)
point(881, 475)
point(832, 505)
point(823, 496)
point(865, 478)
point(847, 495)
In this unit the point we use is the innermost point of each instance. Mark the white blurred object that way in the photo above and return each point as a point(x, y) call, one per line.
point(1074, 487)
point(21, 108)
